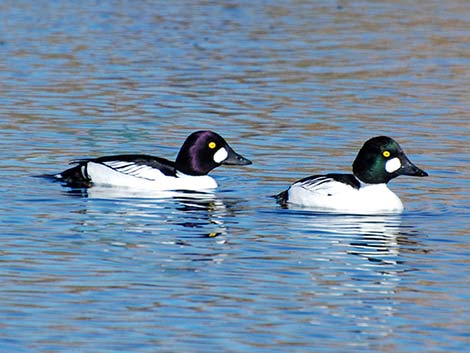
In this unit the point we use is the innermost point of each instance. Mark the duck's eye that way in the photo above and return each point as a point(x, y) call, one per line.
point(386, 154)
point(212, 145)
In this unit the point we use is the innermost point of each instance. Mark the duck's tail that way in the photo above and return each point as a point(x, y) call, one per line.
point(282, 197)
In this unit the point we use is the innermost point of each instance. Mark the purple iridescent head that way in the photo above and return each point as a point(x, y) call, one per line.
point(205, 150)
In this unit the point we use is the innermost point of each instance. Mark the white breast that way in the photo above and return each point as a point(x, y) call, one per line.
point(145, 177)
point(340, 197)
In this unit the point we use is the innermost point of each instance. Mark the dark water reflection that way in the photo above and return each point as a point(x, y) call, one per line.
point(294, 86)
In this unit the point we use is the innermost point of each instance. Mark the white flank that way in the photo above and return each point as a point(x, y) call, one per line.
point(220, 155)
point(130, 175)
point(393, 165)
point(333, 196)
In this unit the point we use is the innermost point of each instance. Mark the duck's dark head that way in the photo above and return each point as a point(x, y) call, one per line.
point(381, 159)
point(205, 150)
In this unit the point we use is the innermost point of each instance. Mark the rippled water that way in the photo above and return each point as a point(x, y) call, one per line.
point(295, 86)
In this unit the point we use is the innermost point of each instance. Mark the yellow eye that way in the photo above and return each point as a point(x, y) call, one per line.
point(386, 154)
point(212, 145)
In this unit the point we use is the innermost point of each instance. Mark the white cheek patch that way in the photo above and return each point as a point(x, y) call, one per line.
point(393, 165)
point(220, 155)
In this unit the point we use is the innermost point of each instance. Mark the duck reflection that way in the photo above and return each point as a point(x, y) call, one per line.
point(202, 214)
point(361, 262)
point(379, 235)
point(376, 238)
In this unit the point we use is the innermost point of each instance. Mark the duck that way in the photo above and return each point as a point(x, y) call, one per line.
point(380, 160)
point(201, 152)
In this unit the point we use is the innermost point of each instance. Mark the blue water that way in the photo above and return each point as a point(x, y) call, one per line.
point(297, 87)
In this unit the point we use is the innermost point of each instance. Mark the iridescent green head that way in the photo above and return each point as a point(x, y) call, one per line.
point(381, 159)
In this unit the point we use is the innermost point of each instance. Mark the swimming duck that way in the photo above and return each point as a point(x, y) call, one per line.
point(201, 152)
point(365, 191)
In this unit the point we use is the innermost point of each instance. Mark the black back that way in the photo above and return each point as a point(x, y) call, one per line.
point(77, 177)
point(342, 178)
point(165, 166)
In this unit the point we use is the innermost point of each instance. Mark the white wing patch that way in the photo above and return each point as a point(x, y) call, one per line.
point(144, 177)
point(139, 171)
point(321, 192)
point(323, 186)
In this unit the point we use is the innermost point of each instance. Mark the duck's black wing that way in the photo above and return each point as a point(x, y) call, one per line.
point(316, 181)
point(136, 165)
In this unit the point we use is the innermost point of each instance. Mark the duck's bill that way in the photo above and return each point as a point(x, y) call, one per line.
point(233, 158)
point(409, 168)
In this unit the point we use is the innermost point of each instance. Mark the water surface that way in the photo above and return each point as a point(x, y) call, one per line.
point(297, 87)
